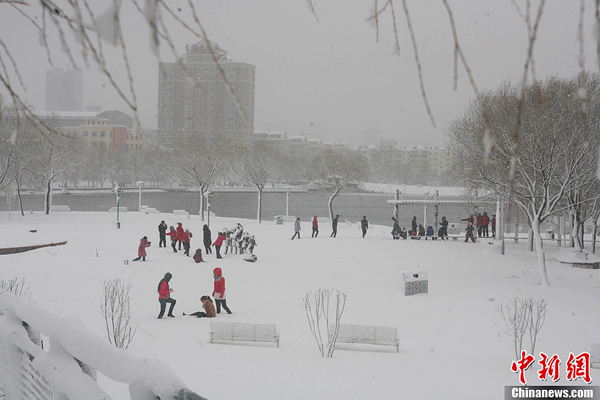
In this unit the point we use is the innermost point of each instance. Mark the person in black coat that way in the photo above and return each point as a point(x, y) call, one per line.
point(364, 224)
point(207, 239)
point(162, 239)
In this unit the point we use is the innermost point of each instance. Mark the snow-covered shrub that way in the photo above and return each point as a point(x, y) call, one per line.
point(116, 312)
point(523, 316)
point(15, 286)
point(316, 305)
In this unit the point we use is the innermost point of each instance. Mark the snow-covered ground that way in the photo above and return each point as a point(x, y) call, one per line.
point(452, 343)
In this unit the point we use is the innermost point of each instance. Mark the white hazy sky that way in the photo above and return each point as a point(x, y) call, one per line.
point(331, 78)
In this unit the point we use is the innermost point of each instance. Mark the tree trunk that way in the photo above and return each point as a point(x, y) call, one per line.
point(259, 210)
point(202, 205)
point(530, 239)
point(541, 256)
point(330, 203)
point(47, 197)
point(594, 233)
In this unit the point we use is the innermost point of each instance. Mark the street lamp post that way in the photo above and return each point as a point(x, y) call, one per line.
point(425, 212)
point(208, 196)
point(287, 201)
point(140, 185)
point(118, 192)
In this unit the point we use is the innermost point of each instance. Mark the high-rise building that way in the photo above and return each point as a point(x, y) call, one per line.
point(199, 95)
point(64, 90)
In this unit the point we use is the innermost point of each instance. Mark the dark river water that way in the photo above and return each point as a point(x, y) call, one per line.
point(350, 206)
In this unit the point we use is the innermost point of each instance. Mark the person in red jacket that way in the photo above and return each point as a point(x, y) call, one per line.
point(198, 256)
point(180, 233)
point(173, 233)
point(315, 226)
point(186, 238)
point(219, 291)
point(485, 222)
point(218, 243)
point(142, 249)
point(164, 296)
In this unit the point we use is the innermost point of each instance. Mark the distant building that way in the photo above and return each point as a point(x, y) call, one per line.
point(110, 129)
point(64, 90)
point(200, 96)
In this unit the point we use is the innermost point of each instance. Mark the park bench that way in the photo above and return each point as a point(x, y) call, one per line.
point(60, 208)
point(377, 335)
point(150, 210)
point(595, 355)
point(181, 212)
point(121, 210)
point(235, 331)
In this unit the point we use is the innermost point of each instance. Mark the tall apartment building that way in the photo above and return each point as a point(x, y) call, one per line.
point(200, 96)
point(64, 90)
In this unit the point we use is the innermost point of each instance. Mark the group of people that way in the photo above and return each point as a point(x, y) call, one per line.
point(164, 297)
point(179, 236)
point(334, 225)
point(482, 221)
point(236, 240)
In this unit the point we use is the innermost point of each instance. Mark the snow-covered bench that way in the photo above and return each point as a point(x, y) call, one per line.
point(235, 331)
point(60, 208)
point(150, 210)
point(595, 355)
point(181, 212)
point(121, 210)
point(378, 335)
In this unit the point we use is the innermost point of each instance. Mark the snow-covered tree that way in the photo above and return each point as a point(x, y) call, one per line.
point(542, 146)
point(333, 169)
point(198, 160)
point(256, 167)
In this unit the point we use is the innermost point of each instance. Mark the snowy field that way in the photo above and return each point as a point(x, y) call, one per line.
point(452, 343)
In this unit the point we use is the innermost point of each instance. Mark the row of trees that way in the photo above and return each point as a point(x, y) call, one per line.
point(35, 157)
point(536, 146)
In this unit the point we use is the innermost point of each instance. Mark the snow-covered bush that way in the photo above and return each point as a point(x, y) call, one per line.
point(15, 286)
point(316, 305)
point(116, 312)
point(523, 316)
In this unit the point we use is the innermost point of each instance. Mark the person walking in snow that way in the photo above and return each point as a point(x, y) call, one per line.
point(364, 224)
point(209, 309)
point(413, 225)
point(218, 243)
point(334, 225)
point(470, 232)
point(493, 225)
point(296, 228)
point(207, 239)
point(164, 296)
point(251, 244)
point(315, 227)
point(219, 291)
point(173, 234)
point(186, 239)
point(180, 233)
point(142, 249)
point(162, 239)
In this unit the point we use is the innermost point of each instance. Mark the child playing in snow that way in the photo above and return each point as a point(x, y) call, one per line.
point(218, 243)
point(209, 309)
point(142, 248)
point(198, 256)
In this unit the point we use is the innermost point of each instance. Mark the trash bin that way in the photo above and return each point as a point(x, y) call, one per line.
point(415, 282)
point(279, 221)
